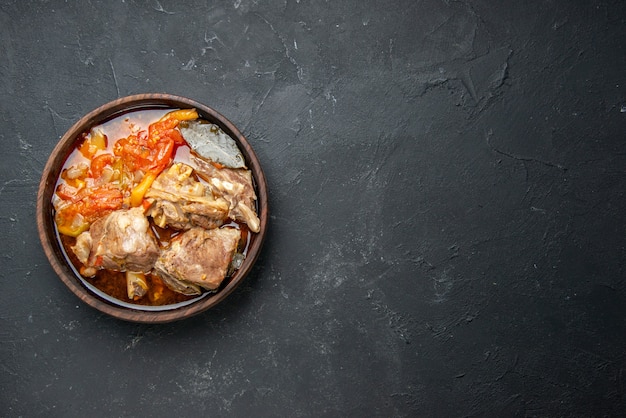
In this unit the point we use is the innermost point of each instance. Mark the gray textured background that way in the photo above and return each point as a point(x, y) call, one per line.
point(447, 231)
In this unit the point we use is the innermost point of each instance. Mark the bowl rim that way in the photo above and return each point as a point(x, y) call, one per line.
point(51, 171)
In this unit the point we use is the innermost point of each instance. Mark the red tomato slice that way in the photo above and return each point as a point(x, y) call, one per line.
point(98, 164)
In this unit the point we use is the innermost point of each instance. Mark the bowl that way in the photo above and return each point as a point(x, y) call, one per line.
point(55, 253)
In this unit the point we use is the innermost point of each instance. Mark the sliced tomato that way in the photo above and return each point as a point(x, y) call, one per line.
point(99, 163)
point(148, 151)
point(157, 129)
point(176, 136)
point(67, 192)
point(165, 150)
point(86, 207)
point(135, 151)
point(105, 198)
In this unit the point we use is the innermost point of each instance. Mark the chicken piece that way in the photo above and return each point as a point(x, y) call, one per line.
point(179, 201)
point(120, 241)
point(198, 259)
point(235, 186)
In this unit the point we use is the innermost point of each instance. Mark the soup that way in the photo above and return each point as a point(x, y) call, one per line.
point(150, 220)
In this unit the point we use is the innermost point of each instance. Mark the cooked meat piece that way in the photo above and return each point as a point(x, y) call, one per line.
point(197, 258)
point(120, 241)
point(180, 201)
point(233, 185)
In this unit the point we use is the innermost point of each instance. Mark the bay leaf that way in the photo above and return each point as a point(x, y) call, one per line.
point(212, 143)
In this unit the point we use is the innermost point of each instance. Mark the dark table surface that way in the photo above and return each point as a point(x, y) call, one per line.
point(447, 233)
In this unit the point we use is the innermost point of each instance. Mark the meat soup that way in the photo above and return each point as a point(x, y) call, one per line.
point(146, 218)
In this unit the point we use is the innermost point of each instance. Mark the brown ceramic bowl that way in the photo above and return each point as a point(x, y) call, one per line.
point(54, 251)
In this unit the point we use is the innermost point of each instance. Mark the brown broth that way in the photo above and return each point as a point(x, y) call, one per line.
point(113, 283)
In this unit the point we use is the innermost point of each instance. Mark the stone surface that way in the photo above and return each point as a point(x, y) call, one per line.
point(446, 182)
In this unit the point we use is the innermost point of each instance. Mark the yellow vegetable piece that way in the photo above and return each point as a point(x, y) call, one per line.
point(75, 183)
point(72, 232)
point(136, 196)
point(98, 139)
point(182, 114)
point(136, 285)
point(73, 229)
